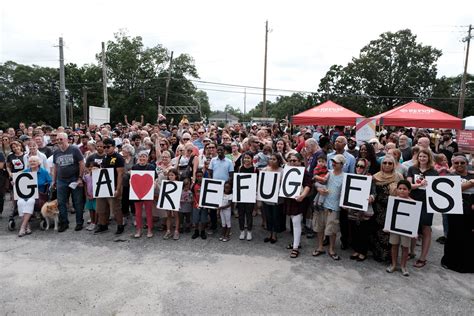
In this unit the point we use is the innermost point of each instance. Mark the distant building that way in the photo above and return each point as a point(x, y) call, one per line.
point(222, 117)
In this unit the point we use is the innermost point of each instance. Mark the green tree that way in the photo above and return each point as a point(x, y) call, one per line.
point(387, 73)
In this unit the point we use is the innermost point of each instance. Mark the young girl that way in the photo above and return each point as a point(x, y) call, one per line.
point(200, 214)
point(90, 201)
point(246, 209)
point(173, 175)
point(225, 211)
point(186, 206)
point(403, 191)
point(441, 164)
point(320, 177)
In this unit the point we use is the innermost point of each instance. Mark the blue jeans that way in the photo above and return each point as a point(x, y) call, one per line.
point(64, 191)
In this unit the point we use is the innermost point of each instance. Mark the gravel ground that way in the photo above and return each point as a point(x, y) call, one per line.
point(78, 273)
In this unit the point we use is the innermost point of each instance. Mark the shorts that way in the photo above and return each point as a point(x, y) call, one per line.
point(200, 215)
point(326, 221)
point(426, 219)
point(90, 205)
point(396, 239)
point(25, 207)
point(225, 218)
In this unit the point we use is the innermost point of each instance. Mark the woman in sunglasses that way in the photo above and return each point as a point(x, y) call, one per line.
point(422, 168)
point(385, 185)
point(359, 221)
point(460, 243)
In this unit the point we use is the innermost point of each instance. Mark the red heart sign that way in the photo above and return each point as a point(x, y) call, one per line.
point(141, 184)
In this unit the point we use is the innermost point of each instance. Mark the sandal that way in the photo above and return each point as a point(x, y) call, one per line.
point(294, 253)
point(354, 256)
point(317, 253)
point(334, 256)
point(411, 256)
point(137, 235)
point(290, 246)
point(149, 235)
point(419, 263)
point(361, 258)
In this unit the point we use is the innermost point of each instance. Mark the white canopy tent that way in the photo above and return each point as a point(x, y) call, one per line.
point(469, 122)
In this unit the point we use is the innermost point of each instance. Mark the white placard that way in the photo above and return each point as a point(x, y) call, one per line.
point(355, 192)
point(103, 183)
point(291, 183)
point(268, 186)
point(245, 188)
point(170, 195)
point(212, 192)
point(444, 195)
point(365, 129)
point(99, 115)
point(403, 216)
point(25, 185)
point(142, 185)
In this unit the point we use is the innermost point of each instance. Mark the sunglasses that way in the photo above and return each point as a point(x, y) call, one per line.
point(293, 160)
point(459, 163)
point(107, 146)
point(387, 163)
point(186, 138)
point(200, 132)
point(360, 166)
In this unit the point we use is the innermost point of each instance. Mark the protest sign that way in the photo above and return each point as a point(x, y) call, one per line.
point(291, 183)
point(103, 183)
point(170, 195)
point(142, 185)
point(268, 186)
point(465, 140)
point(355, 192)
point(443, 195)
point(245, 188)
point(25, 185)
point(365, 129)
point(403, 216)
point(212, 192)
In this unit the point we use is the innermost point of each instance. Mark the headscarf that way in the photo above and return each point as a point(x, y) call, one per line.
point(383, 178)
point(366, 164)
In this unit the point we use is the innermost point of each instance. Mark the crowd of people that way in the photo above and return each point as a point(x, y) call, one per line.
point(399, 160)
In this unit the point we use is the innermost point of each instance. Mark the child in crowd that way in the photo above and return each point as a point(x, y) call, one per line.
point(320, 177)
point(403, 191)
point(261, 159)
point(186, 206)
point(90, 201)
point(441, 164)
point(200, 214)
point(173, 175)
point(226, 210)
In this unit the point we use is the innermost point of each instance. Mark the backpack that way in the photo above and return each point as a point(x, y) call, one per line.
point(185, 171)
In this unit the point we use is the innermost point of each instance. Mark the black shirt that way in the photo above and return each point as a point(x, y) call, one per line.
point(113, 161)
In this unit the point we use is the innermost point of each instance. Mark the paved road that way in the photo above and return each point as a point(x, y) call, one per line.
point(78, 273)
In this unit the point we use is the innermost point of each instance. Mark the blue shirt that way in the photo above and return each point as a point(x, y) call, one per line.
point(221, 168)
point(198, 143)
point(43, 178)
point(334, 186)
point(349, 166)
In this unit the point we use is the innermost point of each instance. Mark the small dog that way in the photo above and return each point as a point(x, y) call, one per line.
point(50, 211)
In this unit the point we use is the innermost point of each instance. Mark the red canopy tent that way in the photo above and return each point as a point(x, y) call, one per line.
point(327, 113)
point(414, 114)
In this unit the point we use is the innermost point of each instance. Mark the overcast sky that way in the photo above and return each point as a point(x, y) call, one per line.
point(226, 38)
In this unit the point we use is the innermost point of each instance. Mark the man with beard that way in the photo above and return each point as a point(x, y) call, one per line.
point(448, 146)
point(352, 147)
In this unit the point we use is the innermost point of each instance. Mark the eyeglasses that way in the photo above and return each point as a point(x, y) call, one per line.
point(387, 163)
point(162, 144)
point(459, 163)
point(107, 146)
point(200, 132)
point(360, 166)
point(211, 147)
point(293, 160)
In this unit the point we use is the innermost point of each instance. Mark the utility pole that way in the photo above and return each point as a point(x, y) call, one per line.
point(463, 82)
point(62, 85)
point(159, 110)
point(264, 110)
point(245, 100)
point(104, 77)
point(168, 84)
point(84, 105)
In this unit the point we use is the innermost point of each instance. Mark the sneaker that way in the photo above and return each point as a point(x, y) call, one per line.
point(203, 234)
point(91, 227)
point(167, 236)
point(242, 235)
point(249, 236)
point(101, 229)
point(225, 239)
point(221, 237)
point(195, 235)
point(89, 221)
point(120, 229)
point(78, 227)
point(176, 236)
point(390, 269)
point(63, 227)
point(405, 272)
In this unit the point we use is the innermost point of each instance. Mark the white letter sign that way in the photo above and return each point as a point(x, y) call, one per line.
point(103, 183)
point(25, 185)
point(170, 195)
point(245, 188)
point(443, 195)
point(268, 185)
point(403, 216)
point(142, 185)
point(355, 192)
point(291, 183)
point(212, 192)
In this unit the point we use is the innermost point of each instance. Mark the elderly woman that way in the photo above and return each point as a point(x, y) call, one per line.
point(460, 243)
point(385, 185)
point(187, 163)
point(26, 207)
point(422, 168)
point(128, 154)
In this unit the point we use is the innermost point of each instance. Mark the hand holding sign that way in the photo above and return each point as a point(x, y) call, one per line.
point(142, 185)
